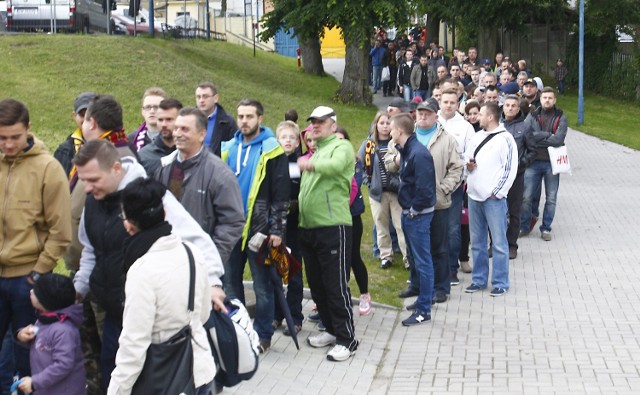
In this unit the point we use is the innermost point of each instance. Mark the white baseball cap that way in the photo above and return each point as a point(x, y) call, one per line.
point(323, 112)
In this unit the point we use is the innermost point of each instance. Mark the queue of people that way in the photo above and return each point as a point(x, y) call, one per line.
point(114, 207)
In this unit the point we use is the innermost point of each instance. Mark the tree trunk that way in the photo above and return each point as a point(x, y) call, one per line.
point(311, 57)
point(488, 42)
point(433, 30)
point(355, 86)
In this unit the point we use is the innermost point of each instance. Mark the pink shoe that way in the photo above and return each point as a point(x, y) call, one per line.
point(365, 304)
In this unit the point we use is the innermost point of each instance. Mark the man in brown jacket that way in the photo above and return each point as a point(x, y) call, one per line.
point(35, 227)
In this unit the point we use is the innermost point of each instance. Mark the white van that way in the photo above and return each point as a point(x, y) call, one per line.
point(46, 15)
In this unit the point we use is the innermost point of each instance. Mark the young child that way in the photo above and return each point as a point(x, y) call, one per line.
point(288, 135)
point(57, 363)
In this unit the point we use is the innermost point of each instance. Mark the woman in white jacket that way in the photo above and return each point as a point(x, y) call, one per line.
point(156, 290)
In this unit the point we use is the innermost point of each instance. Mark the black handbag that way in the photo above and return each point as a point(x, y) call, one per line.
point(168, 368)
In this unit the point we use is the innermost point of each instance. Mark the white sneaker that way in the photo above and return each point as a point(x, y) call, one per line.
point(339, 353)
point(365, 304)
point(321, 340)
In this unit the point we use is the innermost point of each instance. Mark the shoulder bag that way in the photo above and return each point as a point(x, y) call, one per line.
point(168, 368)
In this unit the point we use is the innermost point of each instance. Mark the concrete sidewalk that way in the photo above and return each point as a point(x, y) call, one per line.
point(569, 324)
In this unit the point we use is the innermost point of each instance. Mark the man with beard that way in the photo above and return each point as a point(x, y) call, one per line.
point(262, 170)
point(549, 126)
point(531, 94)
point(163, 144)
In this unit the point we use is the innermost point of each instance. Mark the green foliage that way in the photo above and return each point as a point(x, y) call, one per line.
point(513, 15)
point(606, 71)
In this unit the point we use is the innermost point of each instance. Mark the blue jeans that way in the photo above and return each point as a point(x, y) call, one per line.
point(7, 365)
point(262, 286)
point(484, 217)
point(16, 312)
point(417, 234)
point(561, 86)
point(407, 92)
point(455, 237)
point(110, 336)
point(536, 173)
point(421, 93)
point(377, 76)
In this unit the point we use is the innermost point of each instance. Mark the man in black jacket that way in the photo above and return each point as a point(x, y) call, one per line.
point(220, 126)
point(513, 120)
point(163, 144)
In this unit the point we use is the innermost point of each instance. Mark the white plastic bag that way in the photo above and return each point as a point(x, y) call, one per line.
point(386, 75)
point(559, 160)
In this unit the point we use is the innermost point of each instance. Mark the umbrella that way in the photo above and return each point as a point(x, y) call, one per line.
point(282, 267)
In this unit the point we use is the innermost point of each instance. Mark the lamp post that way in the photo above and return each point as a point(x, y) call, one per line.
point(581, 66)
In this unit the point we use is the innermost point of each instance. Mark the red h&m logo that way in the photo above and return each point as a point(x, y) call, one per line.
point(563, 160)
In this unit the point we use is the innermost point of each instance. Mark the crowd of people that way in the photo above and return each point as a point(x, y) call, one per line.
point(457, 159)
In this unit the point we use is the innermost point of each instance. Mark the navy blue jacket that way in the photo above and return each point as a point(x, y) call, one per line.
point(417, 176)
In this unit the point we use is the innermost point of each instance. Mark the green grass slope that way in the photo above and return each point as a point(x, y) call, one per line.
point(47, 72)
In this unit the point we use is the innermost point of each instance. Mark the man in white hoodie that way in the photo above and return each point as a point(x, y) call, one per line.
point(492, 163)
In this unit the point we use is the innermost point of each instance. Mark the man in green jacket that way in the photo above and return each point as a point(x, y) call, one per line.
point(325, 233)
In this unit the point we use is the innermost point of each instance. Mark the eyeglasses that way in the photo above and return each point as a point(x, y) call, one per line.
point(204, 97)
point(122, 216)
point(149, 107)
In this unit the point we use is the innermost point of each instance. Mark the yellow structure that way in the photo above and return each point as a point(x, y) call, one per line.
point(332, 44)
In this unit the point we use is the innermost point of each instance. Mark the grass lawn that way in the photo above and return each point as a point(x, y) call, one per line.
point(606, 118)
point(48, 71)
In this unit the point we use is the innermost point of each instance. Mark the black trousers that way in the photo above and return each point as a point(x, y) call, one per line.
point(514, 203)
point(327, 261)
point(440, 251)
point(359, 268)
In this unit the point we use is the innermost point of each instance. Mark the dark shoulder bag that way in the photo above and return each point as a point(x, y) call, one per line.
point(168, 368)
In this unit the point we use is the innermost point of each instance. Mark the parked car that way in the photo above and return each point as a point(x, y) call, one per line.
point(141, 25)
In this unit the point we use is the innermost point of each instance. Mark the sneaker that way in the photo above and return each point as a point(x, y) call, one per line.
point(365, 304)
point(405, 260)
point(321, 340)
point(440, 297)
point(498, 292)
point(339, 353)
point(546, 235)
point(314, 317)
point(453, 279)
point(416, 318)
point(533, 222)
point(473, 288)
point(321, 326)
point(513, 252)
point(465, 267)
point(264, 346)
point(287, 332)
point(412, 306)
point(523, 233)
point(385, 264)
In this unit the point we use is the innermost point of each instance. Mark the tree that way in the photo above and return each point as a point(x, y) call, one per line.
point(357, 19)
point(306, 19)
